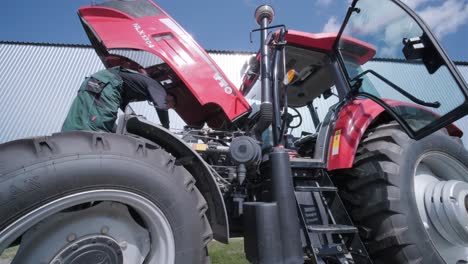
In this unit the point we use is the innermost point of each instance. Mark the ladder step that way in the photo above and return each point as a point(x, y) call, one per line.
point(335, 229)
point(315, 189)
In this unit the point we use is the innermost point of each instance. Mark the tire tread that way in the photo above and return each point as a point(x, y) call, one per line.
point(73, 144)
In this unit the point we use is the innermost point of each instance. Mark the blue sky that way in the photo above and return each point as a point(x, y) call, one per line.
point(224, 25)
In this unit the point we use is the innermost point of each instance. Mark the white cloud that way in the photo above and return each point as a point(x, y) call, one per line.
point(446, 18)
point(384, 25)
point(414, 3)
point(324, 2)
point(388, 52)
point(332, 25)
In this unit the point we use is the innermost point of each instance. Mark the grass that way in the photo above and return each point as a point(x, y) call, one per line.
point(227, 254)
point(9, 253)
point(219, 253)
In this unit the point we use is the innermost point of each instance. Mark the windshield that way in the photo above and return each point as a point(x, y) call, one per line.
point(400, 42)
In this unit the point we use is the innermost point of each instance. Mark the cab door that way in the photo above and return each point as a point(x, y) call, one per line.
point(410, 76)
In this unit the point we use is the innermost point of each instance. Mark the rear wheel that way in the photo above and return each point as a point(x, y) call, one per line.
point(82, 197)
point(409, 198)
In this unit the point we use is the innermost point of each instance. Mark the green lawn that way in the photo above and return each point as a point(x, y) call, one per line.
point(8, 255)
point(227, 254)
point(219, 253)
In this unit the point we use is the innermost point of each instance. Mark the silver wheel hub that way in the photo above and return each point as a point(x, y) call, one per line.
point(441, 195)
point(98, 232)
point(78, 229)
point(446, 206)
point(91, 249)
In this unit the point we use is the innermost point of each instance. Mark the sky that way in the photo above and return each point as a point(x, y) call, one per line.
point(225, 25)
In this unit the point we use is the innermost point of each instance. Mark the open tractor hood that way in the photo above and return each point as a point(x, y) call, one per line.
point(142, 32)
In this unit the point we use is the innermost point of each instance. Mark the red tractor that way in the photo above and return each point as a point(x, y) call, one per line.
point(381, 177)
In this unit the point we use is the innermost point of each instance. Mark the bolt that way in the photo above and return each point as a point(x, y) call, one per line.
point(74, 247)
point(100, 257)
point(104, 230)
point(71, 237)
point(123, 245)
point(360, 251)
point(339, 248)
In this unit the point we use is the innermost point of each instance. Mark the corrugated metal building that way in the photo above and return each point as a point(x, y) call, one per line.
point(39, 81)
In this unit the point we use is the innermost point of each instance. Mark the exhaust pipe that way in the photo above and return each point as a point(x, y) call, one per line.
point(264, 16)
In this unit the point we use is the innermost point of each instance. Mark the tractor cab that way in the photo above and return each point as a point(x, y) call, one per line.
point(422, 90)
point(312, 88)
point(312, 85)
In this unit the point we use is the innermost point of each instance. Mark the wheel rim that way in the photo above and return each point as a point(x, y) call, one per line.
point(441, 193)
point(157, 232)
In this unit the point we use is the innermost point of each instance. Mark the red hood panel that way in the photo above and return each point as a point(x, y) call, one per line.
point(204, 93)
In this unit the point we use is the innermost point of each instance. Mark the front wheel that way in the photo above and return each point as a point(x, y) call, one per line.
point(409, 198)
point(82, 197)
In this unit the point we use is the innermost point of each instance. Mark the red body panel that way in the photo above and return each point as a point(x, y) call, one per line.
point(325, 41)
point(321, 41)
point(351, 125)
point(353, 121)
point(205, 93)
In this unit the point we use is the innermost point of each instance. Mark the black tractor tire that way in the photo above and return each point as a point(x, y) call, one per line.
point(38, 171)
point(378, 192)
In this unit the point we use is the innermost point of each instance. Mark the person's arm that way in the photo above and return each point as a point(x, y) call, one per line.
point(153, 90)
point(157, 96)
point(163, 117)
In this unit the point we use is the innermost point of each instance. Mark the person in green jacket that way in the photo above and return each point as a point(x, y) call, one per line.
point(104, 92)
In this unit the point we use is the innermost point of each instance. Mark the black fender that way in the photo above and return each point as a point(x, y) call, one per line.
point(205, 180)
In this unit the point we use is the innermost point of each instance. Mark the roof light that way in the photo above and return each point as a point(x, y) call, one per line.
point(264, 11)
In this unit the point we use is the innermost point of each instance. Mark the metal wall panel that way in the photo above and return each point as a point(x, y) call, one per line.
point(39, 81)
point(38, 84)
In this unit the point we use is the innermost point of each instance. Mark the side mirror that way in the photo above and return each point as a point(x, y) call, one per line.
point(421, 48)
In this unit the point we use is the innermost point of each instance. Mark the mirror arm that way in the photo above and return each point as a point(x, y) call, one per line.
point(399, 89)
point(352, 8)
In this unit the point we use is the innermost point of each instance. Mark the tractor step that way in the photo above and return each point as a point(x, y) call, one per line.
point(307, 163)
point(315, 189)
point(326, 225)
point(333, 229)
